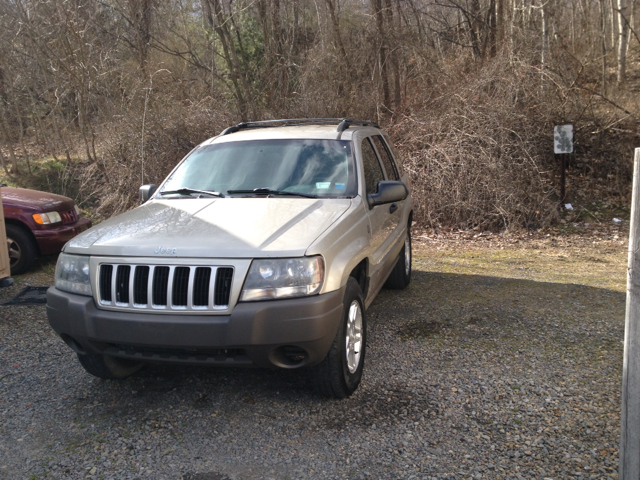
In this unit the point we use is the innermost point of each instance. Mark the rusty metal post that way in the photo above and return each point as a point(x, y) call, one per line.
point(630, 415)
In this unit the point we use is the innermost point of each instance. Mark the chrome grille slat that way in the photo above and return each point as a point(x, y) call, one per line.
point(167, 287)
point(114, 281)
point(169, 304)
point(192, 274)
point(152, 272)
point(132, 276)
point(212, 287)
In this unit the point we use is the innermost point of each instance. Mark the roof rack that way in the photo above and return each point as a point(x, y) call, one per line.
point(343, 123)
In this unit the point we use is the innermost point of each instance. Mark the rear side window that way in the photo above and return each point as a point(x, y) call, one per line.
point(372, 171)
point(394, 153)
point(385, 156)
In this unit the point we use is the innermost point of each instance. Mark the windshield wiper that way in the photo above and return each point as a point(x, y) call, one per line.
point(268, 191)
point(190, 191)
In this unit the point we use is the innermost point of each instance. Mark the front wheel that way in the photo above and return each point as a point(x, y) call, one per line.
point(22, 249)
point(105, 366)
point(339, 374)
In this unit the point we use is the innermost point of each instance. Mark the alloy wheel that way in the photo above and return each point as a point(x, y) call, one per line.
point(353, 338)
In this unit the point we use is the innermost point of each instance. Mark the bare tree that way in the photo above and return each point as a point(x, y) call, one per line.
point(603, 43)
point(623, 29)
point(140, 18)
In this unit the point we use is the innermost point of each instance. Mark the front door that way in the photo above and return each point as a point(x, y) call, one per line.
point(383, 219)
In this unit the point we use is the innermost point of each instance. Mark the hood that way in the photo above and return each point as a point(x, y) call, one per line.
point(219, 227)
point(34, 200)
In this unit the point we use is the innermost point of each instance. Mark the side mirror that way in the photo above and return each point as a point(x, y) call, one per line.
point(388, 192)
point(146, 191)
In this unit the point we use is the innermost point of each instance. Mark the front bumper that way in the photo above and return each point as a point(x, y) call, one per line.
point(51, 240)
point(287, 333)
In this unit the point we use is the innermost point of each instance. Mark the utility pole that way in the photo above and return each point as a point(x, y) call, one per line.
point(630, 415)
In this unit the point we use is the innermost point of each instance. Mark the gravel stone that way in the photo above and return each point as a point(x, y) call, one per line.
point(461, 382)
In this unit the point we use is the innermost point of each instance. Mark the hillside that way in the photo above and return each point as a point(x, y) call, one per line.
point(100, 97)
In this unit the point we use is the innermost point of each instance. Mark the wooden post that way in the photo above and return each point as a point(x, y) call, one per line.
point(4, 253)
point(630, 415)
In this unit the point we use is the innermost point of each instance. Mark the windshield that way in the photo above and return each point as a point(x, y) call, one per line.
point(312, 167)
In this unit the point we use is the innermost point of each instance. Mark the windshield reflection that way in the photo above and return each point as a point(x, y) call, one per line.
point(313, 167)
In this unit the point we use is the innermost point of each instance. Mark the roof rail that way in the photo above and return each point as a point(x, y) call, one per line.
point(343, 123)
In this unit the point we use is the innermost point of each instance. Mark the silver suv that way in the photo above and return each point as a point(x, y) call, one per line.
point(263, 247)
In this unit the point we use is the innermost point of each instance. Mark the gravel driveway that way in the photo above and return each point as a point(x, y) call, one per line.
point(467, 376)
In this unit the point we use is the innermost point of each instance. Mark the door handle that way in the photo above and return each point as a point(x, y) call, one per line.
point(393, 207)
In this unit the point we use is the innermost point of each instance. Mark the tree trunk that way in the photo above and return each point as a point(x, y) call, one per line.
point(630, 24)
point(141, 15)
point(515, 14)
point(614, 24)
point(39, 126)
point(215, 17)
point(4, 125)
point(4, 164)
point(25, 153)
point(475, 28)
point(337, 36)
point(83, 127)
point(382, 53)
point(573, 27)
point(493, 26)
point(394, 52)
point(622, 41)
point(603, 43)
point(545, 35)
point(18, 113)
point(500, 22)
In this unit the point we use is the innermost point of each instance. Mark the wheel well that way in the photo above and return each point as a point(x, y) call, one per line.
point(19, 224)
point(360, 274)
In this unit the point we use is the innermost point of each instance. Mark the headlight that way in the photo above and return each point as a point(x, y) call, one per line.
point(72, 274)
point(282, 278)
point(47, 218)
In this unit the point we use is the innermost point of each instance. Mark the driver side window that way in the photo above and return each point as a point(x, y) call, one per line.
point(372, 170)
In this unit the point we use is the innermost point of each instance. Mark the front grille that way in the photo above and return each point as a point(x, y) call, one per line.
point(192, 288)
point(69, 217)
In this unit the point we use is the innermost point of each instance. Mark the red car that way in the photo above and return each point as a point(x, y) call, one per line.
point(37, 223)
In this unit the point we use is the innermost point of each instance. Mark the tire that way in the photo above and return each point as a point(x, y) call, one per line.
point(401, 274)
point(22, 249)
point(339, 374)
point(105, 366)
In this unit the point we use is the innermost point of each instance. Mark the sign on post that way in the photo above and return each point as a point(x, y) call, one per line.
point(562, 144)
point(563, 139)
